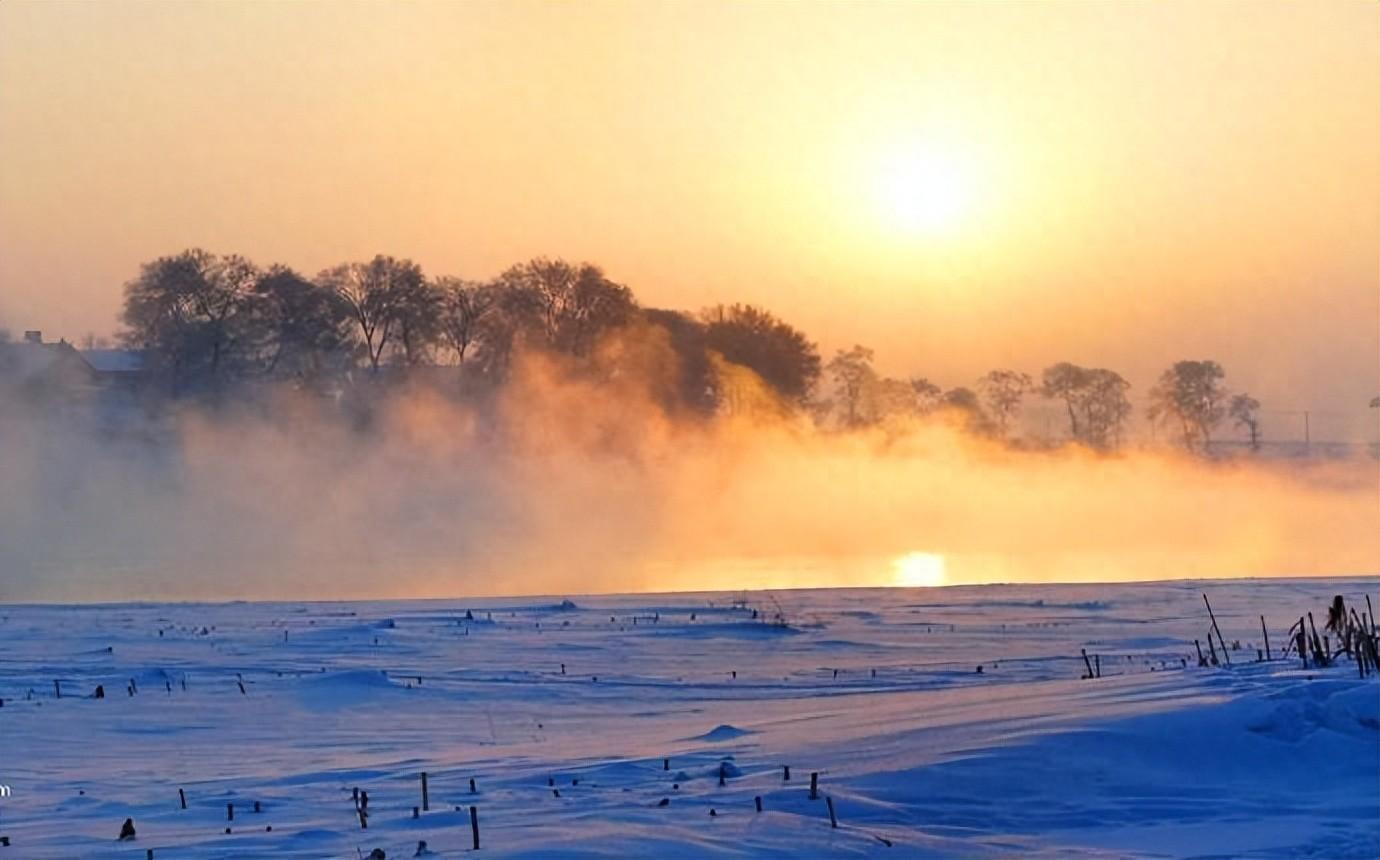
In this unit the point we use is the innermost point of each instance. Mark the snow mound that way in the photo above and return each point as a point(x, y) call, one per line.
point(724, 732)
point(348, 689)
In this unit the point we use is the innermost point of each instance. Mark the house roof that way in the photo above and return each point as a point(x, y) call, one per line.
point(27, 360)
point(114, 360)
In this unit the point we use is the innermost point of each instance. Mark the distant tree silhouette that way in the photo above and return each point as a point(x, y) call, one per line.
point(463, 305)
point(380, 295)
point(964, 403)
point(927, 394)
point(853, 378)
point(560, 306)
point(1245, 413)
point(1095, 400)
point(419, 320)
point(302, 326)
point(1191, 394)
point(894, 398)
point(688, 340)
point(1003, 391)
point(782, 356)
point(192, 314)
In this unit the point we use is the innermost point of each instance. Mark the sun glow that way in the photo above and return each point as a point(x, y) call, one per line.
point(918, 570)
point(926, 188)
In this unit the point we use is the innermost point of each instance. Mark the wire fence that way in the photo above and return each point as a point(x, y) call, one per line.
point(1288, 432)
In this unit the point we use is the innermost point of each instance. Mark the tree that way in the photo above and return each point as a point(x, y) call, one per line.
point(1105, 408)
point(894, 397)
point(964, 403)
point(696, 382)
point(381, 296)
point(783, 357)
point(927, 394)
point(302, 325)
point(192, 314)
point(563, 307)
point(1245, 414)
point(1003, 391)
point(853, 377)
point(418, 311)
point(462, 308)
point(1190, 393)
point(1065, 381)
point(1094, 398)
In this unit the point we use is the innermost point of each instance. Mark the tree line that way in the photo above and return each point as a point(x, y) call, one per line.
point(210, 323)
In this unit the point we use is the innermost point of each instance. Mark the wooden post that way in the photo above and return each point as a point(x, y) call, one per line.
point(1097, 660)
point(833, 819)
point(426, 801)
point(57, 688)
point(1086, 661)
point(814, 785)
point(474, 825)
point(229, 812)
point(786, 773)
point(666, 764)
point(472, 790)
point(1371, 611)
point(182, 796)
point(758, 800)
point(1266, 633)
point(1201, 662)
point(416, 813)
point(257, 807)
point(1212, 649)
point(1220, 638)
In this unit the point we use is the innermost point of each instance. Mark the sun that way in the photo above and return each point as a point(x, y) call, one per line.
point(925, 188)
point(918, 570)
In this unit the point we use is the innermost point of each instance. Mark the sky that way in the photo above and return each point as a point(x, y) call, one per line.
point(958, 186)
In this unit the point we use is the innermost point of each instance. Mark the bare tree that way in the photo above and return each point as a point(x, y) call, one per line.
point(1003, 391)
point(1245, 413)
point(1095, 399)
point(419, 320)
point(853, 376)
point(377, 294)
point(1191, 394)
point(563, 306)
point(463, 306)
point(302, 325)
point(191, 312)
point(927, 394)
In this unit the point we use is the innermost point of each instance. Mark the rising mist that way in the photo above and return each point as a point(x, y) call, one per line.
point(566, 481)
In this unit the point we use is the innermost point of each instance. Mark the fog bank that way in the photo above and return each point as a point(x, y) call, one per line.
point(574, 482)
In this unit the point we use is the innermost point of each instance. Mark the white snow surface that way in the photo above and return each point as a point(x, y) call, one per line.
point(875, 690)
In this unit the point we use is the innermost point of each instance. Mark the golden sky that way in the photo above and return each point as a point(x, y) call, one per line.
point(1117, 184)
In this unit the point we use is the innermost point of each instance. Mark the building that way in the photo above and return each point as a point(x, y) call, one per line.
point(58, 370)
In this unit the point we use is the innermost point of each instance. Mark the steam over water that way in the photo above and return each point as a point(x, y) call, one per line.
point(564, 485)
